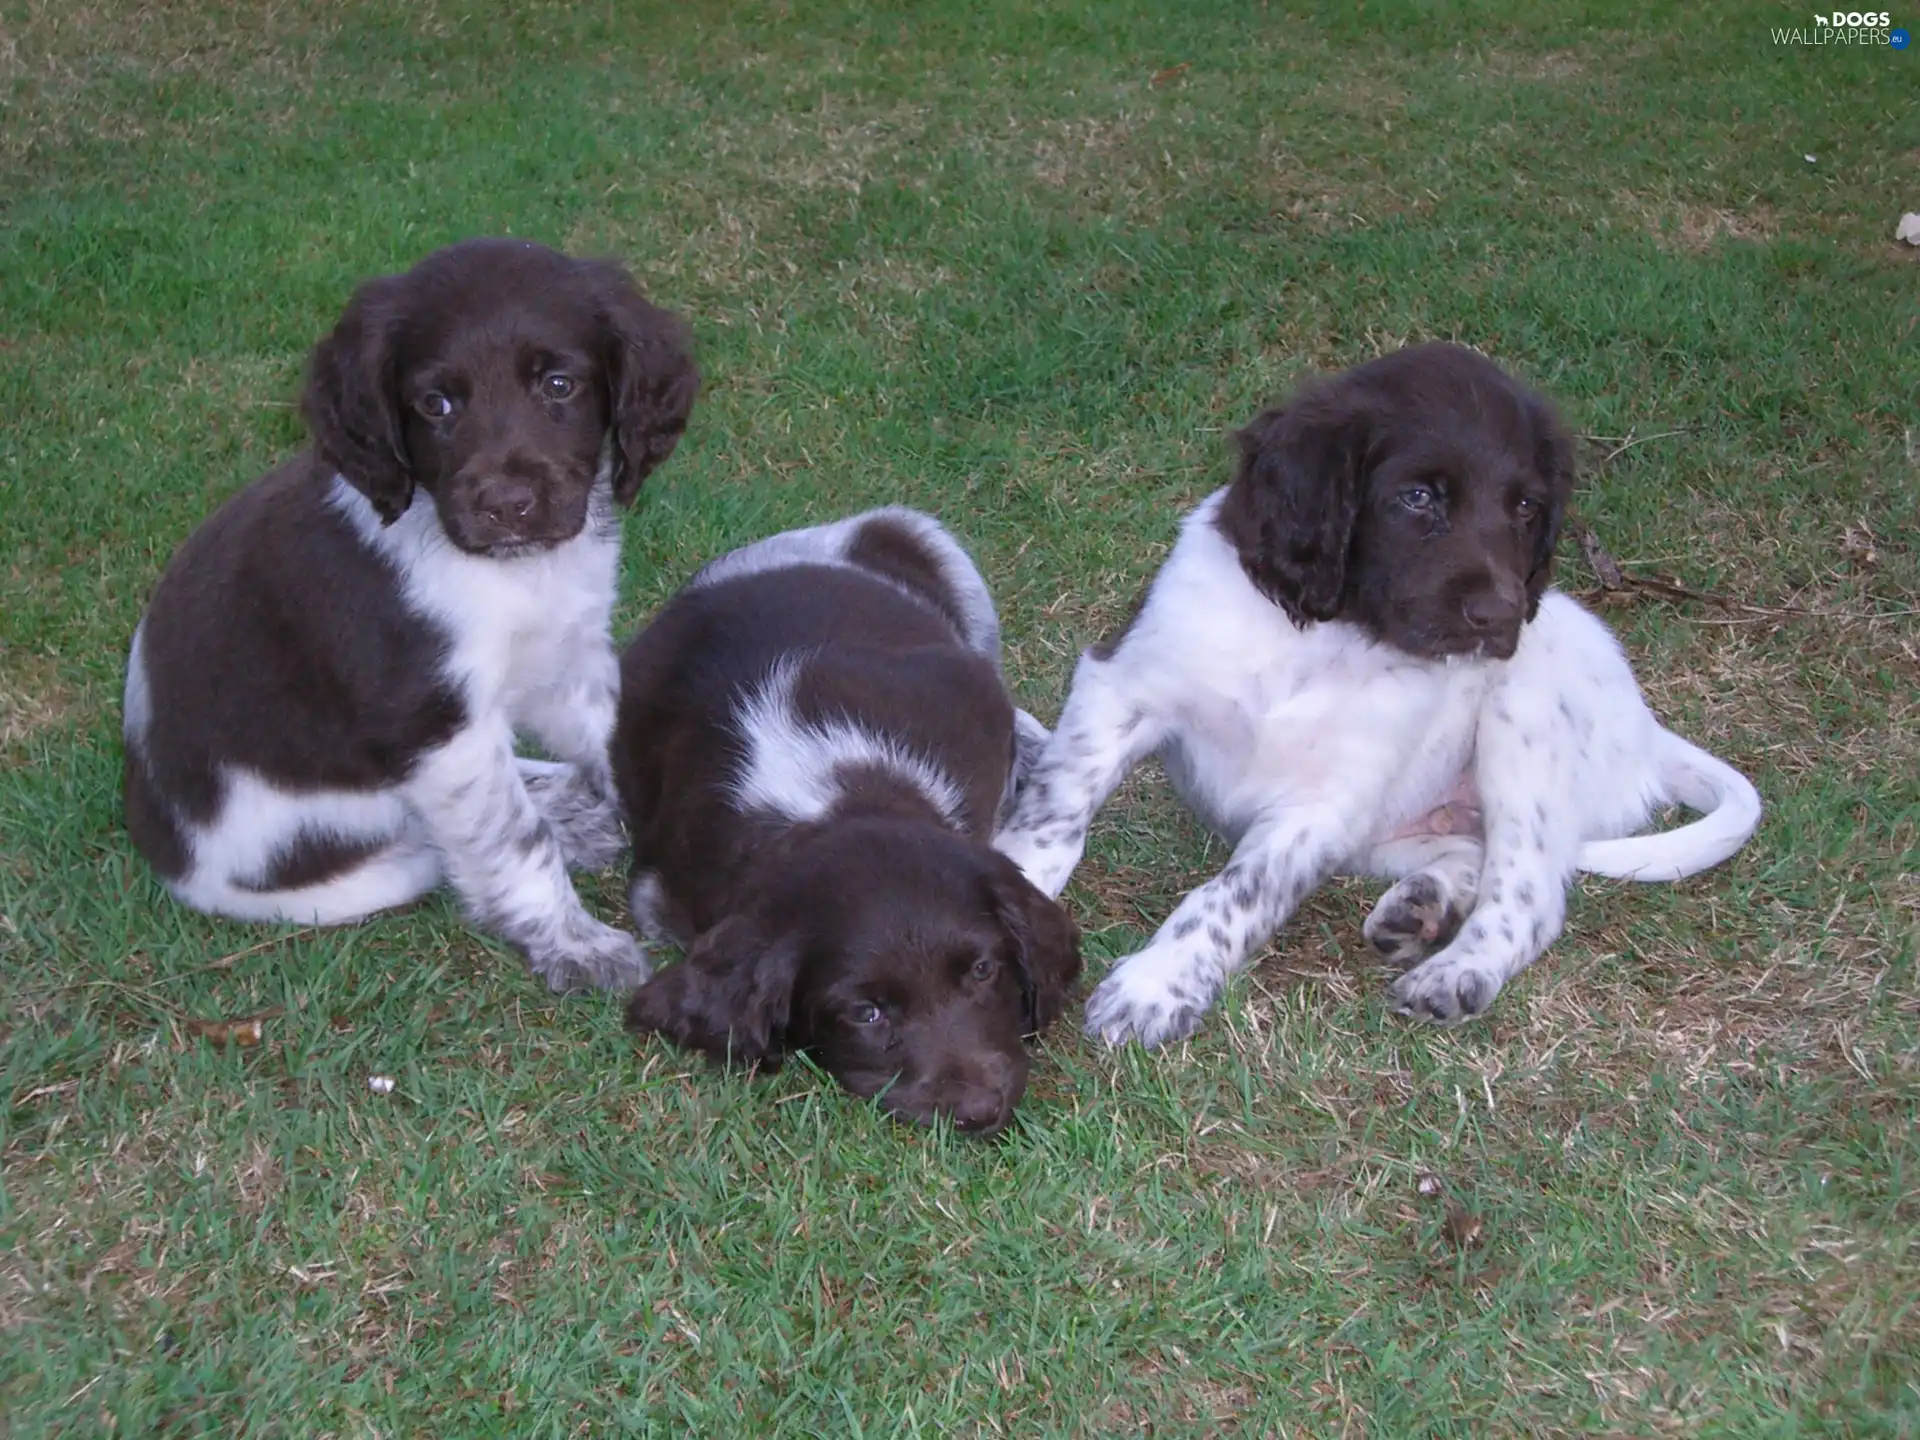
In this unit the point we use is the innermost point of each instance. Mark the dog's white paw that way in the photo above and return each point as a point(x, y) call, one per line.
point(1150, 998)
point(1445, 990)
point(588, 955)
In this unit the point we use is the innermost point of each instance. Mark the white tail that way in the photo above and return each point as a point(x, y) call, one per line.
point(1729, 809)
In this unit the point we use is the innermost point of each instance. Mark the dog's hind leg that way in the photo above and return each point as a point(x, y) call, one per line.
point(306, 858)
point(1437, 881)
point(584, 817)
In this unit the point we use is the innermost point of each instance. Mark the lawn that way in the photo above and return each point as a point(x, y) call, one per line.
point(1023, 263)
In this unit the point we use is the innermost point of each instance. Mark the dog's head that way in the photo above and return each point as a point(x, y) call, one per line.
point(907, 960)
point(1419, 495)
point(499, 376)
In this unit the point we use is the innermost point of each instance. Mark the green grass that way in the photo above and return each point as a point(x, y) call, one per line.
point(1023, 264)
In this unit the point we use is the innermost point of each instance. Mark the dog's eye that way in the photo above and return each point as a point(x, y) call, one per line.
point(868, 1014)
point(434, 405)
point(984, 967)
point(1526, 507)
point(1417, 498)
point(556, 386)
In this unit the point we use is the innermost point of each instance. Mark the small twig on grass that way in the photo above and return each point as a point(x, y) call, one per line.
point(1615, 582)
point(1622, 444)
point(221, 964)
point(225, 960)
point(1763, 612)
point(1598, 560)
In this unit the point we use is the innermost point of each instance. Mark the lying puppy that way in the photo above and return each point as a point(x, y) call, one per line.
point(322, 697)
point(1351, 662)
point(813, 746)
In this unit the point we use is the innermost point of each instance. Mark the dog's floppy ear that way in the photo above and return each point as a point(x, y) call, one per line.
point(351, 402)
point(652, 380)
point(1291, 509)
point(729, 999)
point(1554, 459)
point(1046, 942)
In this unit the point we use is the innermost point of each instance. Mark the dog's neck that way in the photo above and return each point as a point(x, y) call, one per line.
point(876, 792)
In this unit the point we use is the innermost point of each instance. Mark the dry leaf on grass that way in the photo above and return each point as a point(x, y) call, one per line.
point(246, 1031)
point(1857, 543)
point(1463, 1228)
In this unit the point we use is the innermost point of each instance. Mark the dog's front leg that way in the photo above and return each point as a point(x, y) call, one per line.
point(1530, 752)
point(1159, 994)
point(509, 867)
point(1102, 733)
point(574, 721)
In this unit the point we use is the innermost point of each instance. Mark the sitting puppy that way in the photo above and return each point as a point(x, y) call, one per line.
point(322, 696)
point(1351, 662)
point(813, 746)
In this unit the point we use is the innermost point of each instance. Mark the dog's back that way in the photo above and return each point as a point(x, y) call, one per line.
point(763, 698)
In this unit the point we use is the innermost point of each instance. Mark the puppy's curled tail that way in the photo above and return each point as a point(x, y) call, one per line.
point(1729, 809)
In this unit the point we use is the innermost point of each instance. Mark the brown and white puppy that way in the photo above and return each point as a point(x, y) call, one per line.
point(323, 696)
point(1352, 663)
point(813, 746)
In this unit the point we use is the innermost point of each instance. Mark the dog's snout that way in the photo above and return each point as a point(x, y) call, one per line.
point(980, 1110)
point(505, 501)
point(1493, 607)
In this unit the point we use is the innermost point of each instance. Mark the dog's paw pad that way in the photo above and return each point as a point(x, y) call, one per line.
point(1412, 920)
point(1445, 994)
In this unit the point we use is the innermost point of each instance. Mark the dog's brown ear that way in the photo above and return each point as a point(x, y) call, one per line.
point(730, 998)
point(652, 380)
point(1046, 942)
point(1554, 459)
point(351, 401)
point(1290, 511)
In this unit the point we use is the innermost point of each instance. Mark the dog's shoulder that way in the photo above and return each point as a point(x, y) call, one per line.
point(1201, 601)
point(277, 551)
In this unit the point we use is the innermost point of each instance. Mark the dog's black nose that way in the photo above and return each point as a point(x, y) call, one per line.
point(504, 501)
point(978, 1110)
point(1487, 610)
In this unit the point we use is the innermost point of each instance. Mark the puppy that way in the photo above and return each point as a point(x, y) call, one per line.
point(1351, 662)
point(813, 745)
point(322, 697)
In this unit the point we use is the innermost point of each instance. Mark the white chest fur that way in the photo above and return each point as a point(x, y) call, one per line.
point(519, 627)
point(1261, 708)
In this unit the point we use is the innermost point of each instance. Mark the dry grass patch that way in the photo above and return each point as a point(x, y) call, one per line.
point(60, 59)
point(33, 699)
point(1329, 197)
point(1362, 94)
point(1694, 228)
point(1527, 65)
